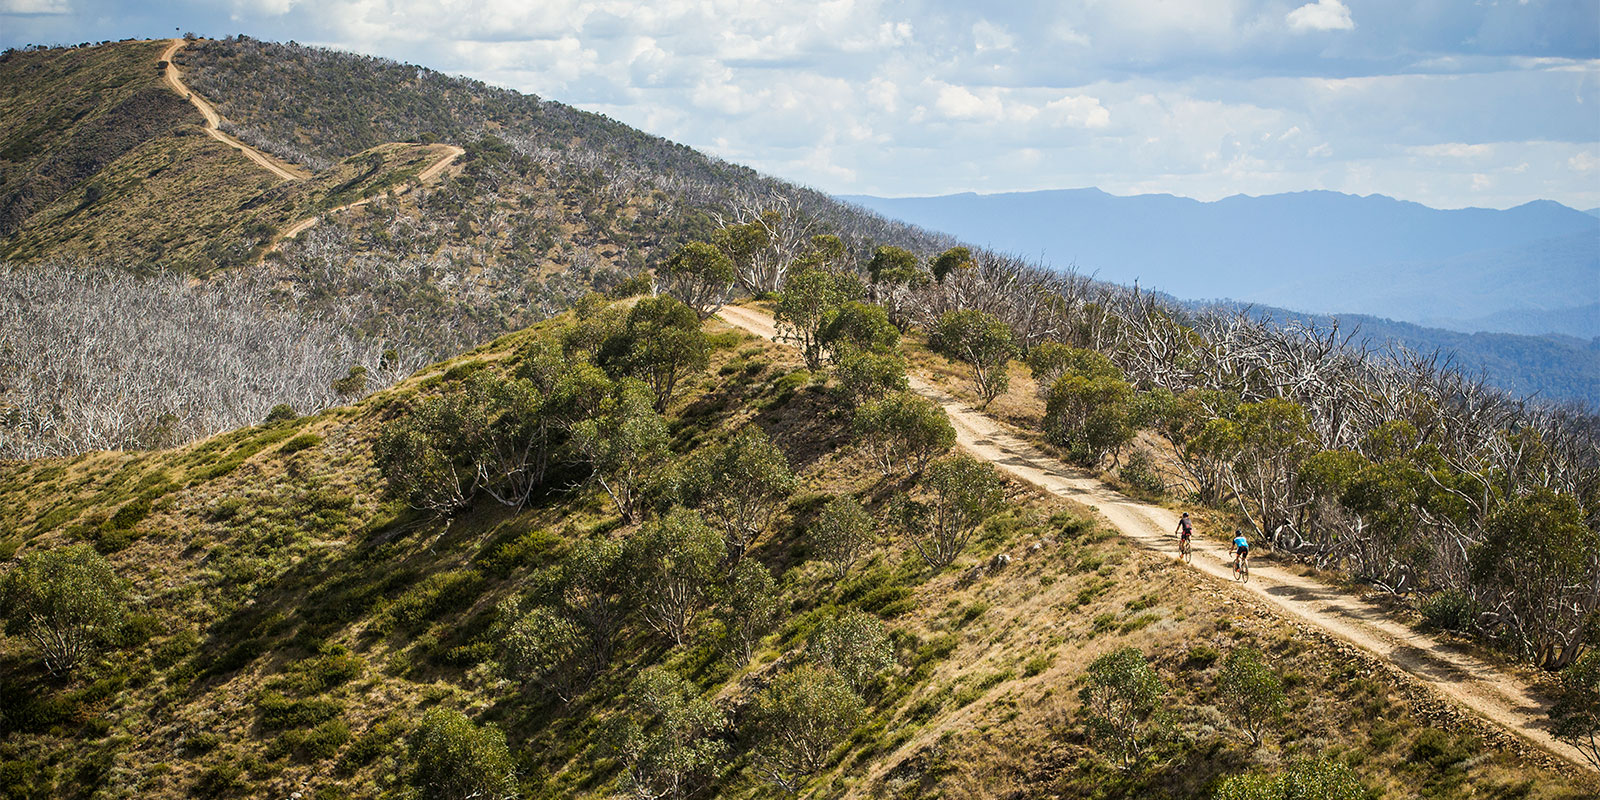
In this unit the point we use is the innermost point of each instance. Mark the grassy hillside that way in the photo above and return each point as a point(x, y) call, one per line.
point(293, 624)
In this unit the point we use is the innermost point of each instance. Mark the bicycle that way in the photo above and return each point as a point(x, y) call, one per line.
point(1241, 568)
point(1186, 551)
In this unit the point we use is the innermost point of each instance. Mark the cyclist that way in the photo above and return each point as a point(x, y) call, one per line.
point(1241, 550)
point(1184, 530)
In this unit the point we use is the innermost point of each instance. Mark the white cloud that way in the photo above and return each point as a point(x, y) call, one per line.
point(1452, 150)
point(1198, 97)
point(959, 102)
point(987, 35)
point(35, 7)
point(1323, 15)
point(1079, 111)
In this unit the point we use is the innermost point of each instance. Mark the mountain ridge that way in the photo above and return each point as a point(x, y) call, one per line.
point(1294, 249)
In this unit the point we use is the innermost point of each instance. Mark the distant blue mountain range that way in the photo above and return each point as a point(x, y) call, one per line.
point(1533, 269)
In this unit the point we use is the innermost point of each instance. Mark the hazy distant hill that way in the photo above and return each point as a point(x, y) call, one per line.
point(1548, 367)
point(1312, 251)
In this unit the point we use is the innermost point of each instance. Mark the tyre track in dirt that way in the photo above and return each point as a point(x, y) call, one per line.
point(1450, 673)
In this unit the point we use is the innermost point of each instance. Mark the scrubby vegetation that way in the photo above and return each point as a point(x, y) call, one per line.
point(630, 551)
point(300, 622)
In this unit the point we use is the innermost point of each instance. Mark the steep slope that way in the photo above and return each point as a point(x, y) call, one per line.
point(105, 162)
point(293, 624)
point(1475, 684)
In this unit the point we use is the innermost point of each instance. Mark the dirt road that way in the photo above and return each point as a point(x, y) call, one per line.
point(1462, 678)
point(286, 171)
point(449, 153)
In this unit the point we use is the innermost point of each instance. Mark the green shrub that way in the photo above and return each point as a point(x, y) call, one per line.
point(464, 369)
point(434, 595)
point(454, 759)
point(1303, 780)
point(335, 666)
point(1439, 749)
point(1037, 663)
point(219, 780)
point(1450, 610)
point(22, 780)
point(278, 712)
point(282, 412)
point(304, 441)
point(66, 601)
point(317, 744)
point(1202, 656)
point(1141, 473)
point(1575, 714)
point(372, 742)
point(790, 383)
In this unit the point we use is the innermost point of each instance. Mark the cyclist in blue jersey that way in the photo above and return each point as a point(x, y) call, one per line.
point(1241, 551)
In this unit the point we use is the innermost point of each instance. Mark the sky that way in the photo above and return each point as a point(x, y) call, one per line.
point(1449, 103)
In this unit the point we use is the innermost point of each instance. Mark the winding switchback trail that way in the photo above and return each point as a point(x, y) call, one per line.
point(1459, 677)
point(288, 172)
point(448, 152)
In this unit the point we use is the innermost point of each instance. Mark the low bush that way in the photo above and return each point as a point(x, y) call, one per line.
point(278, 712)
point(1450, 610)
point(304, 441)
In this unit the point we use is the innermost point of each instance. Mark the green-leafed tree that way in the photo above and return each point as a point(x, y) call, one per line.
point(842, 534)
point(66, 601)
point(659, 343)
point(962, 493)
point(1262, 446)
point(543, 648)
point(855, 645)
point(750, 609)
point(865, 376)
point(1251, 692)
point(903, 431)
point(896, 276)
point(1088, 404)
point(625, 445)
point(741, 485)
point(429, 454)
point(860, 327)
point(700, 275)
point(1575, 715)
point(596, 319)
point(952, 261)
point(590, 590)
point(890, 264)
point(805, 305)
point(983, 343)
point(746, 246)
point(668, 739)
point(1122, 703)
point(454, 759)
point(1539, 561)
point(800, 717)
point(673, 565)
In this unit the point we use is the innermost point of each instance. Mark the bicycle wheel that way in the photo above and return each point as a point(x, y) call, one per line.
point(1186, 552)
